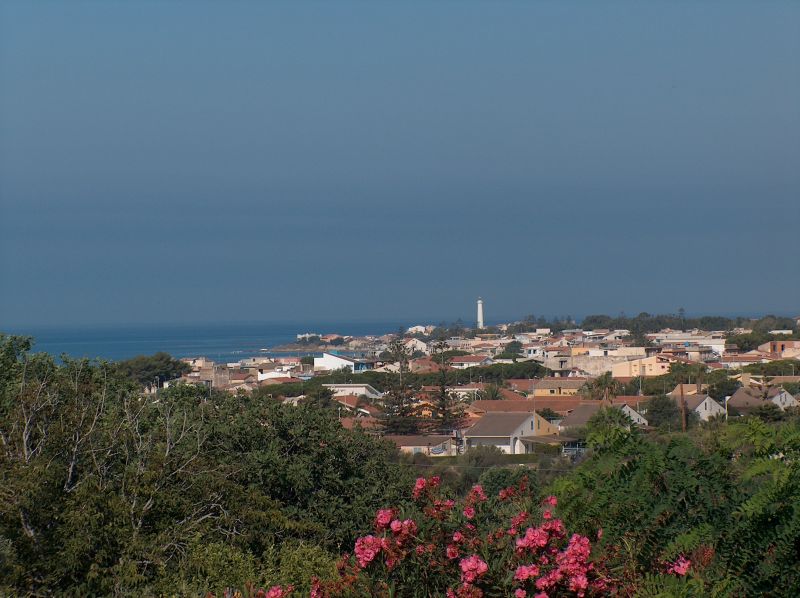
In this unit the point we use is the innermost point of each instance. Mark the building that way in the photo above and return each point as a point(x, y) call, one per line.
point(782, 348)
point(581, 415)
point(704, 406)
point(431, 445)
point(463, 362)
point(367, 390)
point(331, 362)
point(645, 367)
point(745, 400)
point(512, 433)
point(558, 386)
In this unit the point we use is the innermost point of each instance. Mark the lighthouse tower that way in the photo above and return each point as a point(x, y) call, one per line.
point(480, 313)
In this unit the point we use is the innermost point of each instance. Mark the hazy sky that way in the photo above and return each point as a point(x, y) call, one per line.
point(185, 161)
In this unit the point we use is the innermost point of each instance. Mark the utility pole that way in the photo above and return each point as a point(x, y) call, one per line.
point(683, 410)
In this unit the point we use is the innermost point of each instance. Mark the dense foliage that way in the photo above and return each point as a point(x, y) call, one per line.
point(105, 490)
point(727, 500)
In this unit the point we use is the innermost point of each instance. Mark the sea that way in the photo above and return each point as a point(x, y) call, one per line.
point(219, 342)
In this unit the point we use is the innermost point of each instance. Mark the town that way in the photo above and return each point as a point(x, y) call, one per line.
point(516, 386)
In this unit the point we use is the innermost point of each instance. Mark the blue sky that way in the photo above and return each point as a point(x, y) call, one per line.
point(184, 162)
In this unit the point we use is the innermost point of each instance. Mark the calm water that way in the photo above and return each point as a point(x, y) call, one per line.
point(221, 342)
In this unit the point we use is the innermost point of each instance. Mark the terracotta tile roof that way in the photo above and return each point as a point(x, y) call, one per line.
point(367, 423)
point(347, 400)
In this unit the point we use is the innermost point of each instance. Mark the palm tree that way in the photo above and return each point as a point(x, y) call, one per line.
point(604, 387)
point(492, 392)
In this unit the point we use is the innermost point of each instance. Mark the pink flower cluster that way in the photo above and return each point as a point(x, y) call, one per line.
point(383, 518)
point(367, 548)
point(472, 568)
point(680, 567)
point(279, 592)
point(539, 562)
point(423, 484)
point(403, 528)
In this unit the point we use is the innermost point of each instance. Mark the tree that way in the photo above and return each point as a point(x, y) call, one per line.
point(492, 392)
point(307, 360)
point(769, 412)
point(602, 387)
point(447, 411)
point(662, 411)
point(514, 347)
point(610, 429)
point(320, 397)
point(150, 370)
point(399, 416)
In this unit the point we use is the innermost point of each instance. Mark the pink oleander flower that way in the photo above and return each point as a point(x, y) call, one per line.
point(279, 592)
point(419, 486)
point(599, 533)
point(551, 500)
point(434, 481)
point(469, 512)
point(383, 517)
point(472, 567)
point(578, 584)
point(680, 567)
point(525, 572)
point(517, 520)
point(477, 493)
point(520, 593)
point(396, 526)
point(541, 595)
point(452, 551)
point(535, 537)
point(316, 588)
point(548, 514)
point(367, 548)
point(458, 537)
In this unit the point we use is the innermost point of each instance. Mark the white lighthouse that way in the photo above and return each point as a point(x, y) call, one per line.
point(480, 313)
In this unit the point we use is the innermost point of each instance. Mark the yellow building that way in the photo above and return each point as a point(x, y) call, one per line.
point(645, 367)
point(547, 387)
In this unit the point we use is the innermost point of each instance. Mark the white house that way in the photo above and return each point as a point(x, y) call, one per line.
point(463, 362)
point(414, 344)
point(511, 432)
point(332, 362)
point(635, 416)
point(784, 399)
point(704, 406)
